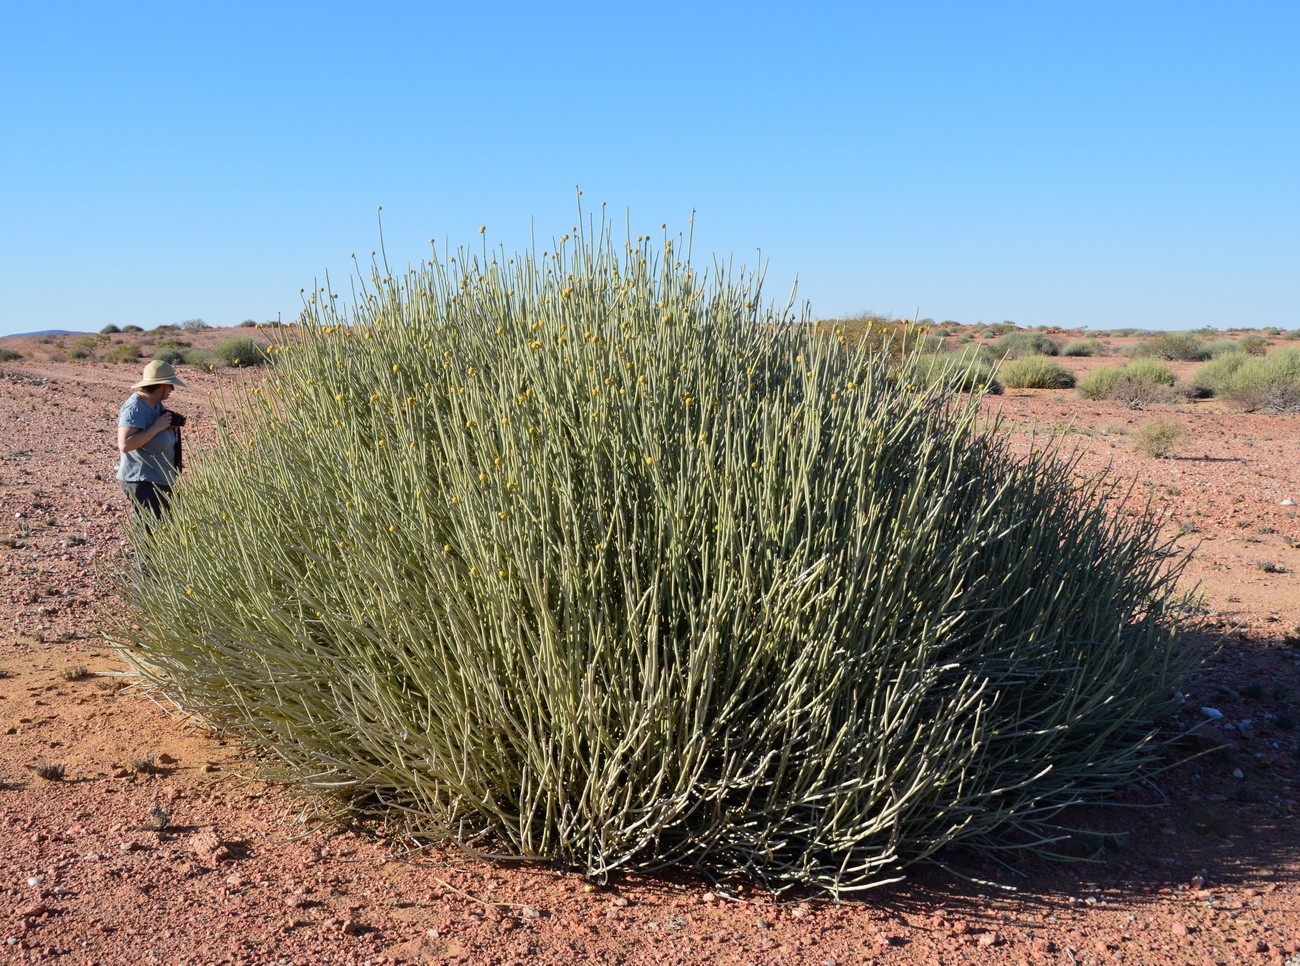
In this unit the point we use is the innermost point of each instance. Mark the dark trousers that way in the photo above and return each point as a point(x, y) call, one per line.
point(147, 497)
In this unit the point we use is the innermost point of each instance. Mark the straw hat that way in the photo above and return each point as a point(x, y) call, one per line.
point(158, 373)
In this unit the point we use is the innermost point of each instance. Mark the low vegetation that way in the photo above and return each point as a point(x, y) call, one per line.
point(1035, 372)
point(1159, 438)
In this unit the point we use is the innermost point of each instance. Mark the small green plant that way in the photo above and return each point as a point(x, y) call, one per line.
point(171, 355)
point(132, 328)
point(1139, 384)
point(1267, 383)
point(1159, 438)
point(1016, 345)
point(238, 351)
point(956, 371)
point(121, 353)
point(1172, 346)
point(50, 771)
point(1271, 567)
point(75, 673)
point(9, 355)
point(1081, 347)
point(1035, 372)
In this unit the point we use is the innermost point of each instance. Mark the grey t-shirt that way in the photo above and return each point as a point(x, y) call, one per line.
point(152, 462)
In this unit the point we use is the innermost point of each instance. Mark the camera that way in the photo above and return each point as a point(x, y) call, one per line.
point(177, 419)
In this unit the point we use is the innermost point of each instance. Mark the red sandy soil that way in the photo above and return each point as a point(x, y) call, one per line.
point(243, 872)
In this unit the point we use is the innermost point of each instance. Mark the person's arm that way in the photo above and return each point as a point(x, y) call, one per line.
point(132, 437)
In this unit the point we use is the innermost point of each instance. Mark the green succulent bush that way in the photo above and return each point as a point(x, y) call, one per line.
point(1081, 347)
point(125, 352)
point(1035, 372)
point(237, 351)
point(1016, 345)
point(1210, 377)
point(1173, 347)
point(965, 371)
point(1268, 383)
point(1140, 383)
point(583, 557)
point(9, 355)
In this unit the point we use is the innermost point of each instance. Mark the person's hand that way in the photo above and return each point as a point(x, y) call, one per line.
point(162, 422)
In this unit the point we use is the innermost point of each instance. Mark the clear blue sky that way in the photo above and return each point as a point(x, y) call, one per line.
point(1100, 164)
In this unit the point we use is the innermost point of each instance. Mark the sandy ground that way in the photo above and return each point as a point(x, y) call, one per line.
point(160, 844)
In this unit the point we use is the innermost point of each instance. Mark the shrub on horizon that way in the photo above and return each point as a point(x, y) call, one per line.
point(109, 329)
point(607, 565)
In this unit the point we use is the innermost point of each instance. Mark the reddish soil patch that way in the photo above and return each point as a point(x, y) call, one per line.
point(160, 844)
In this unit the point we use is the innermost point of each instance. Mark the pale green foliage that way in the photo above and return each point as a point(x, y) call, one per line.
point(1261, 383)
point(963, 371)
point(1035, 372)
point(1017, 345)
point(1081, 347)
point(1210, 377)
point(1173, 346)
point(584, 558)
point(1140, 383)
point(1159, 438)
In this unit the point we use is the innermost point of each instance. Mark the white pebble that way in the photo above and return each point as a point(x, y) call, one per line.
point(1212, 712)
point(34, 880)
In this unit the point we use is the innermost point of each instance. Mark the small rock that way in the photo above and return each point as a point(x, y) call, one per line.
point(121, 772)
point(1180, 929)
point(350, 927)
point(1212, 713)
point(33, 911)
point(166, 759)
point(960, 929)
point(130, 845)
point(988, 939)
point(1287, 502)
point(529, 912)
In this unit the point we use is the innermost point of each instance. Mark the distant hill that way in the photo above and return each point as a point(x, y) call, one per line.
point(18, 335)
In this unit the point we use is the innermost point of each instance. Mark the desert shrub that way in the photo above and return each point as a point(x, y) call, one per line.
point(1209, 377)
point(953, 371)
point(1264, 383)
point(109, 329)
point(248, 324)
point(1151, 370)
point(1094, 385)
point(1081, 347)
point(1172, 346)
point(1140, 383)
point(583, 558)
point(9, 355)
point(1017, 345)
point(1254, 343)
point(79, 353)
point(1035, 372)
point(1159, 438)
point(132, 328)
point(85, 342)
point(1218, 347)
point(171, 354)
point(194, 325)
point(237, 350)
point(121, 353)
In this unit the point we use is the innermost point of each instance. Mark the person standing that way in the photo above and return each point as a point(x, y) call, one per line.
point(149, 441)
